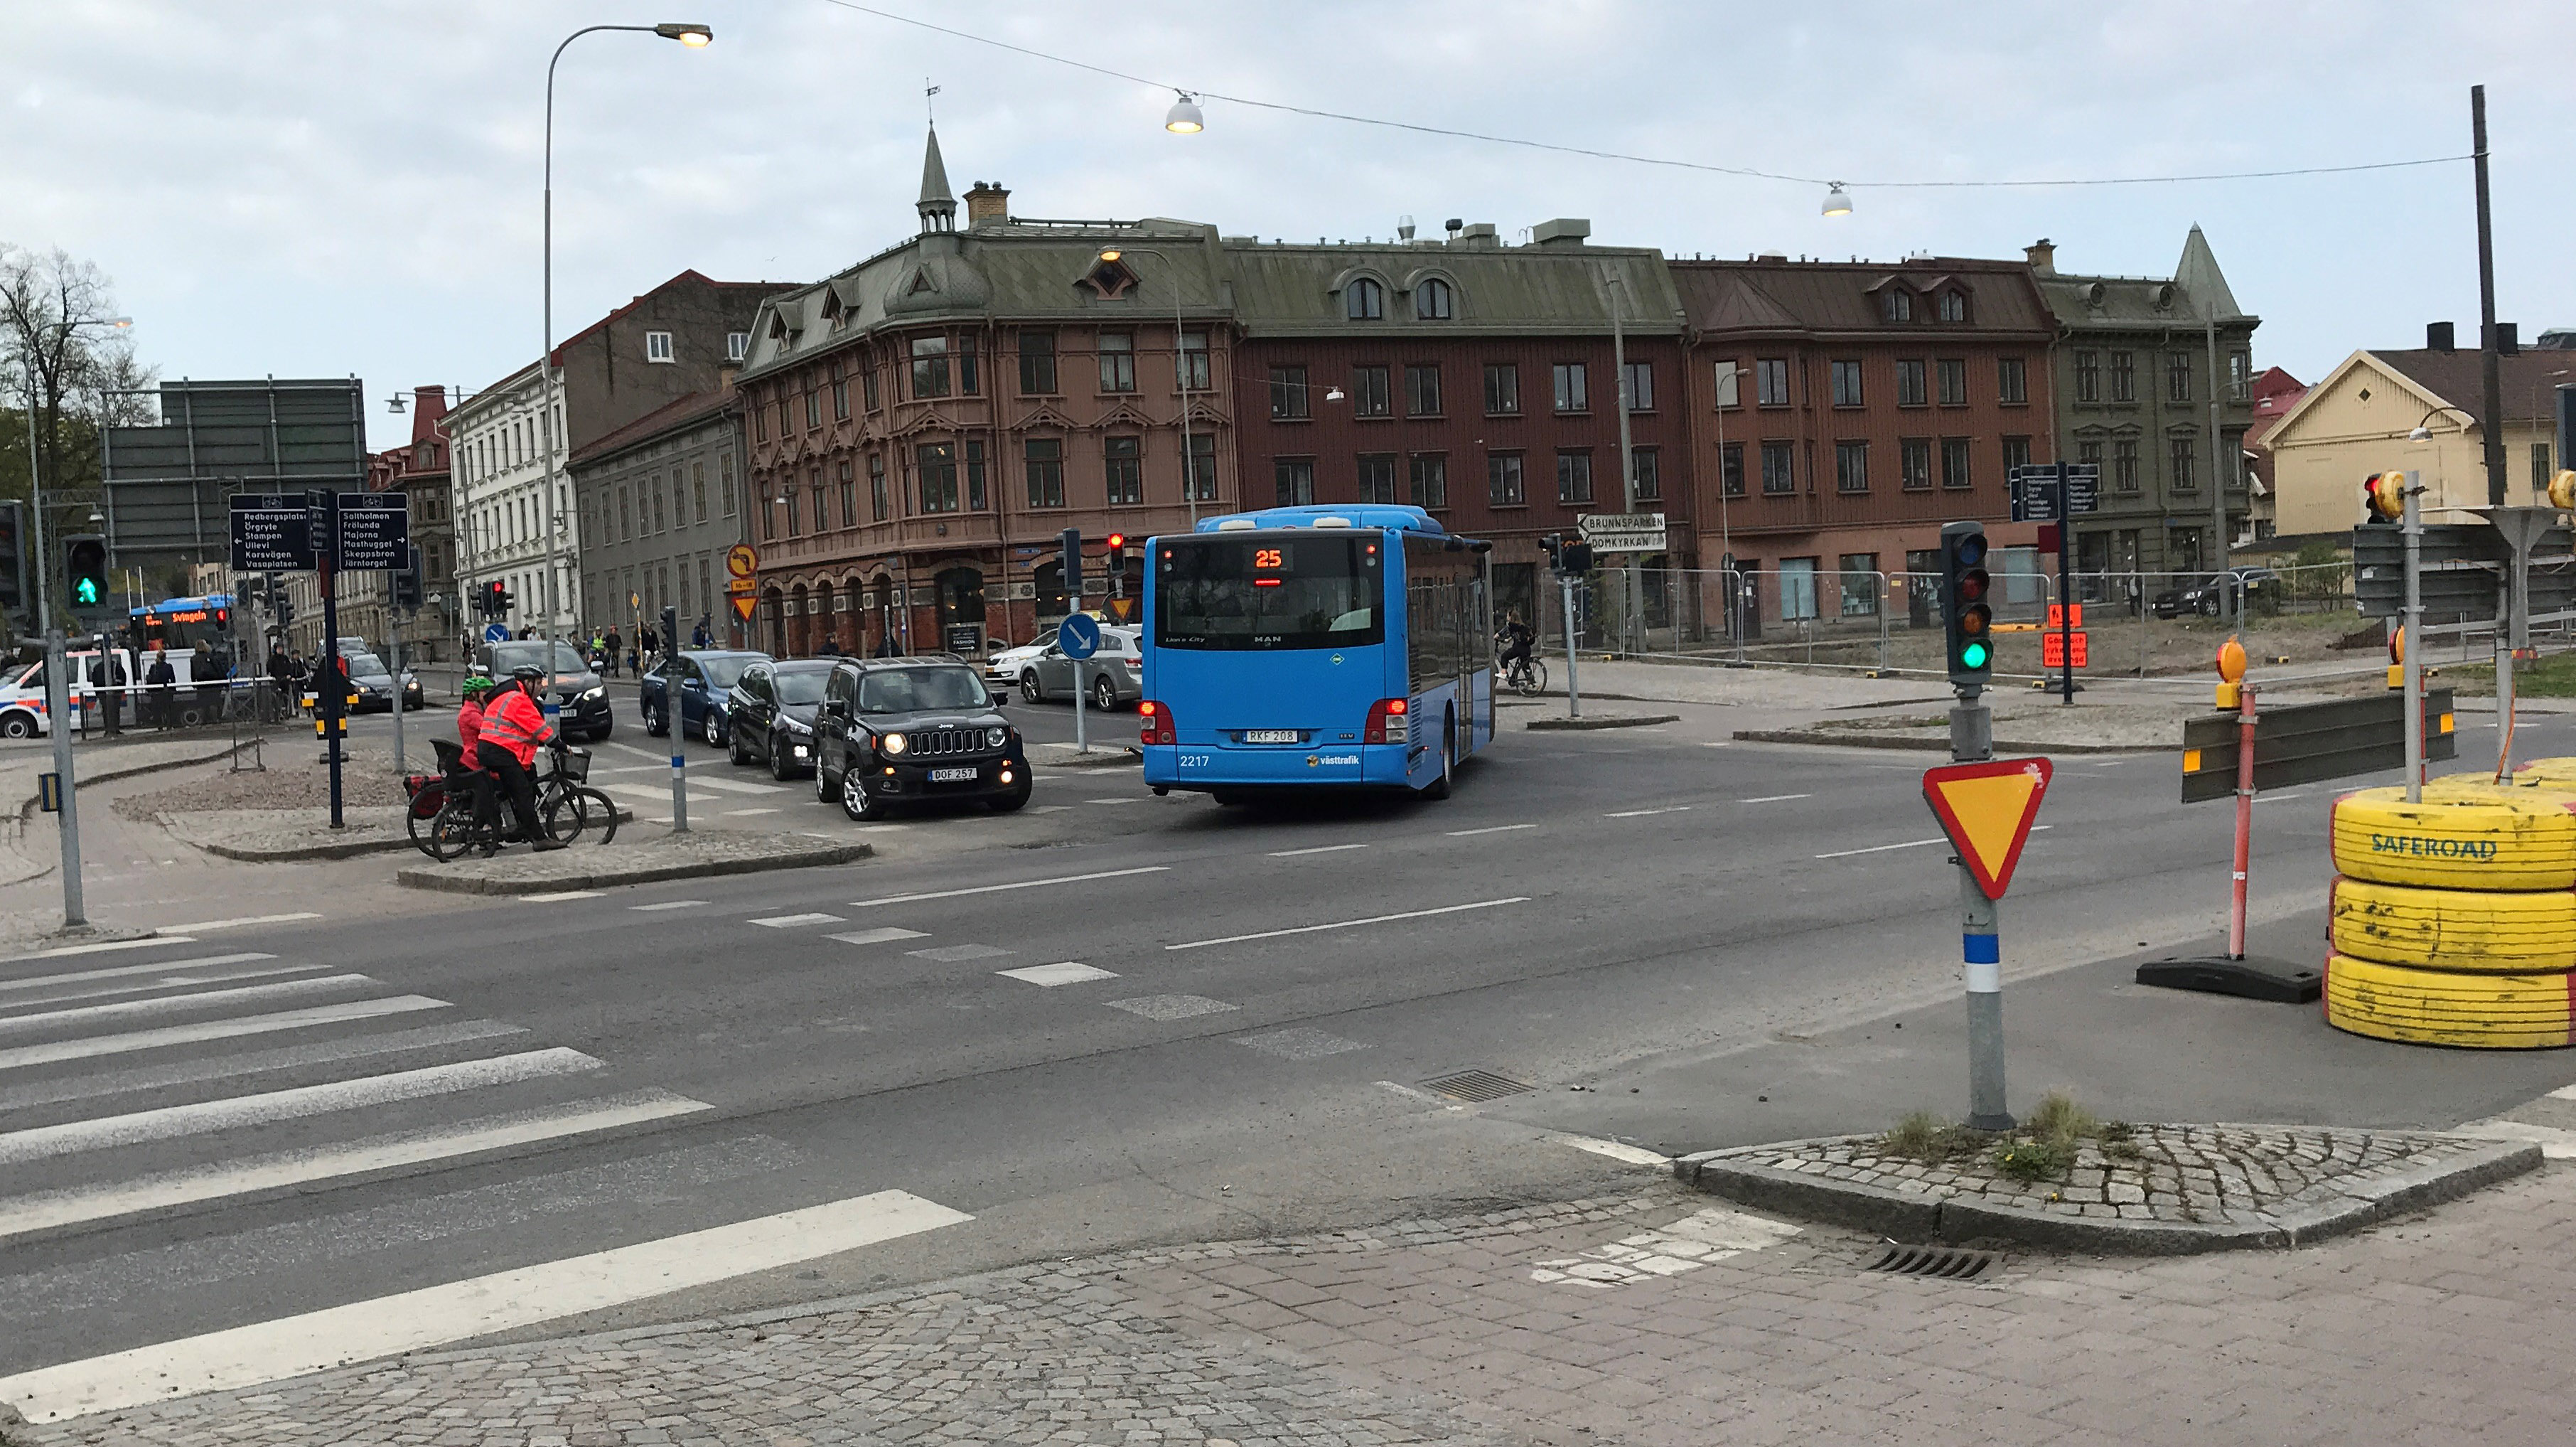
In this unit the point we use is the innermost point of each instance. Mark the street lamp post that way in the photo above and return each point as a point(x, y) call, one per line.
point(1180, 369)
point(688, 33)
point(1730, 391)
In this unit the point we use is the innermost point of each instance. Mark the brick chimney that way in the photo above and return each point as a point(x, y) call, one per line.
point(2043, 256)
point(987, 204)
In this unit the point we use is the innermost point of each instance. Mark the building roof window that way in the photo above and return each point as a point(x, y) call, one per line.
point(1364, 300)
point(1434, 301)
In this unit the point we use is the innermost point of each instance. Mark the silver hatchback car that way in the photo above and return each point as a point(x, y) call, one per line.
point(1108, 679)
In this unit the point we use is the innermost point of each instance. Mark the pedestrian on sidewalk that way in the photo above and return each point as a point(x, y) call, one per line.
point(616, 647)
point(163, 680)
point(281, 679)
point(649, 642)
point(207, 672)
point(698, 637)
point(107, 675)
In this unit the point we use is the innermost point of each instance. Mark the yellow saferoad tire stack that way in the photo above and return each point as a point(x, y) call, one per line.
point(2454, 919)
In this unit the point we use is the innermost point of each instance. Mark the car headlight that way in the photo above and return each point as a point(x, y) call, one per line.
point(794, 725)
point(996, 737)
point(593, 695)
point(893, 744)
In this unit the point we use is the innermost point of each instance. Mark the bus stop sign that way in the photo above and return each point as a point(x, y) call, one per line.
point(1078, 635)
point(1987, 810)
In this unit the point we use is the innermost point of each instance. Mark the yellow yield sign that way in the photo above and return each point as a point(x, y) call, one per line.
point(1987, 810)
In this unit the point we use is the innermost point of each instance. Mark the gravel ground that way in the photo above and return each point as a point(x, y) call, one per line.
point(294, 779)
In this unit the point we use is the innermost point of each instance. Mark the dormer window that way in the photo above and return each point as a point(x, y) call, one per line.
point(832, 311)
point(1364, 300)
point(1897, 304)
point(1954, 305)
point(1110, 280)
point(1433, 301)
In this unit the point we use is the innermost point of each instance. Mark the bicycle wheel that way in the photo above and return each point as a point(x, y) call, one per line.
point(1538, 677)
point(600, 810)
point(452, 833)
point(422, 825)
point(563, 815)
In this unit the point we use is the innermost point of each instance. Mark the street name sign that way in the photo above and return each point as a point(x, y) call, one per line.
point(1623, 532)
point(270, 533)
point(1987, 810)
point(375, 531)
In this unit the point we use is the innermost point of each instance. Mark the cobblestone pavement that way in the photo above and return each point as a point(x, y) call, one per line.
point(1653, 1320)
point(2217, 1175)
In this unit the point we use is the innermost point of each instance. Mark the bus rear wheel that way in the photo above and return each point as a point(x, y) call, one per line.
point(1439, 788)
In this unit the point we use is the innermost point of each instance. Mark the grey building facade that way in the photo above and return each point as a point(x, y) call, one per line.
point(660, 501)
point(2137, 393)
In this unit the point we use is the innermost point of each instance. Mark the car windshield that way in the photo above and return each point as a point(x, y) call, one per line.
point(805, 685)
point(721, 672)
point(905, 690)
point(366, 665)
point(531, 653)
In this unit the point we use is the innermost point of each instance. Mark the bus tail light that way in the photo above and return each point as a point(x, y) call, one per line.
point(1387, 723)
point(1155, 724)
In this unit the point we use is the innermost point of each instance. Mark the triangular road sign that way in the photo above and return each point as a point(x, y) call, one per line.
point(743, 603)
point(1987, 809)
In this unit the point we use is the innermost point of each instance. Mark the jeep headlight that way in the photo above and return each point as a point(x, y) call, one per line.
point(893, 744)
point(594, 694)
point(794, 725)
point(996, 737)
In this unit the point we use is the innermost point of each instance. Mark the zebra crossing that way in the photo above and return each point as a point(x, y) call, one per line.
point(2548, 1121)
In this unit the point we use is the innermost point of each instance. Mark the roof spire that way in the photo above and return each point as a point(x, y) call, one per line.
point(937, 207)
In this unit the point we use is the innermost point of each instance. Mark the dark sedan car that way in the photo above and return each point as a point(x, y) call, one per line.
point(769, 714)
point(705, 675)
point(2210, 594)
point(904, 730)
point(581, 694)
point(374, 684)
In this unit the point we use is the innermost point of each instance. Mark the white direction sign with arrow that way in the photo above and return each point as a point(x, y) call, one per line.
point(1628, 532)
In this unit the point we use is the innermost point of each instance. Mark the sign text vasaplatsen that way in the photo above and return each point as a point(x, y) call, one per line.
point(270, 533)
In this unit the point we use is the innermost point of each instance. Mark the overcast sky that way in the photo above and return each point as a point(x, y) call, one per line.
point(316, 189)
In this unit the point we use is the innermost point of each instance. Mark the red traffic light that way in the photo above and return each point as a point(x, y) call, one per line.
point(1117, 540)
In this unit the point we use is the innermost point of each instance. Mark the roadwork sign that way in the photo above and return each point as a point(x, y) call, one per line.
point(1987, 810)
point(2052, 648)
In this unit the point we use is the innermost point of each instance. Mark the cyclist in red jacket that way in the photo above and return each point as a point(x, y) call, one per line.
point(513, 728)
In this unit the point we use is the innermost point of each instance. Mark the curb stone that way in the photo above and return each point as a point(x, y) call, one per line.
point(1603, 721)
point(816, 857)
point(1929, 745)
point(1896, 1215)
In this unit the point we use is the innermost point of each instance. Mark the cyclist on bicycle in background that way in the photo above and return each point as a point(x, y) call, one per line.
point(513, 727)
point(1516, 640)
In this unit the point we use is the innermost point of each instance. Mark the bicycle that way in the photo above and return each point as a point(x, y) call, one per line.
point(566, 808)
point(1526, 677)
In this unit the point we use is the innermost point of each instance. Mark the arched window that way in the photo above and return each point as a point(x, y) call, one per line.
point(1433, 301)
point(1364, 300)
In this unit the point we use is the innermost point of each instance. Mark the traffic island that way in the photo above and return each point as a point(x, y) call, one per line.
point(2142, 1190)
point(1102, 756)
point(281, 836)
point(636, 858)
point(1602, 721)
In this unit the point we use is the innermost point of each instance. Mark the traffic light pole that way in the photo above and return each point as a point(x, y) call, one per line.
point(58, 705)
point(331, 690)
point(1573, 688)
point(2411, 525)
point(1981, 947)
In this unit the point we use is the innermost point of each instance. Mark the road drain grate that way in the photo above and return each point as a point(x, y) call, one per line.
point(1934, 1261)
point(1477, 1085)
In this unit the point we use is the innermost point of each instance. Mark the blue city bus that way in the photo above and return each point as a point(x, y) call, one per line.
point(1314, 648)
point(178, 623)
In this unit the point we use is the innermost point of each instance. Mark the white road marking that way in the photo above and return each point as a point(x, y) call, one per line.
point(101, 948)
point(1775, 798)
point(1716, 743)
point(735, 786)
point(953, 954)
point(224, 1067)
point(2564, 1092)
point(1308, 929)
point(39, 1142)
point(1172, 1007)
point(1642, 813)
point(226, 975)
point(1066, 973)
point(1489, 829)
point(164, 967)
point(1686, 1245)
point(1615, 1150)
point(738, 813)
point(247, 920)
point(168, 1004)
point(50, 1209)
point(1051, 809)
point(239, 1025)
point(791, 921)
point(998, 888)
point(668, 904)
point(1114, 801)
point(433, 1316)
point(1882, 848)
point(663, 759)
point(1318, 849)
point(2555, 1144)
point(557, 896)
point(886, 936)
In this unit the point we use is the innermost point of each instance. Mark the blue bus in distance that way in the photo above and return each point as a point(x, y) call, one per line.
point(1311, 648)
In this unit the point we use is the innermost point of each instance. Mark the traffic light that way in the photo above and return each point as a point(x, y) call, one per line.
point(85, 572)
point(670, 630)
point(1070, 540)
point(2383, 496)
point(1575, 559)
point(1965, 613)
point(495, 599)
point(1553, 546)
point(406, 580)
point(223, 620)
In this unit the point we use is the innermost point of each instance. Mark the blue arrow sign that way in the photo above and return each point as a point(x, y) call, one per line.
point(1078, 635)
point(496, 632)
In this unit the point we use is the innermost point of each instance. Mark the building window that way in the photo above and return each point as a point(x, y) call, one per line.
point(1646, 473)
point(737, 346)
point(657, 347)
point(2016, 454)
point(2178, 377)
point(1573, 477)
point(1860, 579)
point(2124, 462)
point(1433, 301)
point(1429, 483)
point(1364, 301)
point(1910, 391)
point(1196, 375)
point(1954, 462)
point(930, 366)
point(1117, 362)
point(2012, 380)
point(1851, 467)
point(1731, 470)
point(1369, 393)
point(2240, 376)
point(787, 504)
point(1641, 386)
point(868, 386)
point(1377, 477)
point(1421, 390)
point(822, 514)
point(1954, 306)
point(1771, 382)
point(840, 396)
point(1044, 459)
point(2184, 449)
point(1797, 589)
point(2540, 473)
point(2088, 376)
point(1202, 480)
point(849, 494)
point(760, 423)
point(813, 408)
point(878, 503)
point(725, 466)
point(1914, 463)
point(935, 475)
point(1503, 480)
point(1294, 481)
point(1502, 389)
point(2124, 377)
point(1573, 392)
point(1896, 304)
point(1123, 460)
point(1779, 468)
point(1846, 378)
point(1288, 394)
point(1037, 363)
point(1952, 373)
point(976, 500)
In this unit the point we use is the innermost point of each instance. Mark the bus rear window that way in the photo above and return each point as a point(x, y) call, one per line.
point(1300, 591)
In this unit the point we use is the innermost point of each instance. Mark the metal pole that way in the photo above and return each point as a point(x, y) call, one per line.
point(1081, 739)
point(1631, 631)
point(57, 703)
point(678, 725)
point(36, 511)
point(2508, 607)
point(2412, 526)
point(2490, 357)
point(2218, 474)
point(1573, 691)
point(2065, 597)
point(1981, 951)
point(398, 683)
point(2244, 818)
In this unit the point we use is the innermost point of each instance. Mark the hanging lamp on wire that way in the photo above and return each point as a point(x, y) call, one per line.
point(1836, 202)
point(1184, 119)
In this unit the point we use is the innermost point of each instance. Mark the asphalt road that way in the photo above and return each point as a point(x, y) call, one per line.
point(1229, 1030)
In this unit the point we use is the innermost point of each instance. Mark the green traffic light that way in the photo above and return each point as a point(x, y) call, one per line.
point(1973, 656)
point(85, 591)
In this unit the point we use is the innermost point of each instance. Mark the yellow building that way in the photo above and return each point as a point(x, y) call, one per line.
point(2355, 422)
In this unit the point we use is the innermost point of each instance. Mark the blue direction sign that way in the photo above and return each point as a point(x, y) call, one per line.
point(496, 632)
point(1078, 635)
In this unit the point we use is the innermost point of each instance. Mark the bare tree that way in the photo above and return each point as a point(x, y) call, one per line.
point(66, 359)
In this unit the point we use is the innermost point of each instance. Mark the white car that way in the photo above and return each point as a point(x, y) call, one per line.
point(1002, 669)
point(22, 701)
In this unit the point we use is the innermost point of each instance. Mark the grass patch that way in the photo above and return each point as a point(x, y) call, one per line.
point(2549, 676)
point(2045, 1147)
point(2026, 1159)
point(1926, 1137)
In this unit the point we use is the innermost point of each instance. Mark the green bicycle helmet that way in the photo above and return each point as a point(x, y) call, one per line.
point(474, 686)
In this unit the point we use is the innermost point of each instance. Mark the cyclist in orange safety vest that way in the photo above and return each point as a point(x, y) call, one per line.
point(513, 727)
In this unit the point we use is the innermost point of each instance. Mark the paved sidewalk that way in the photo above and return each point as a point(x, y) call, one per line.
point(1651, 1320)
